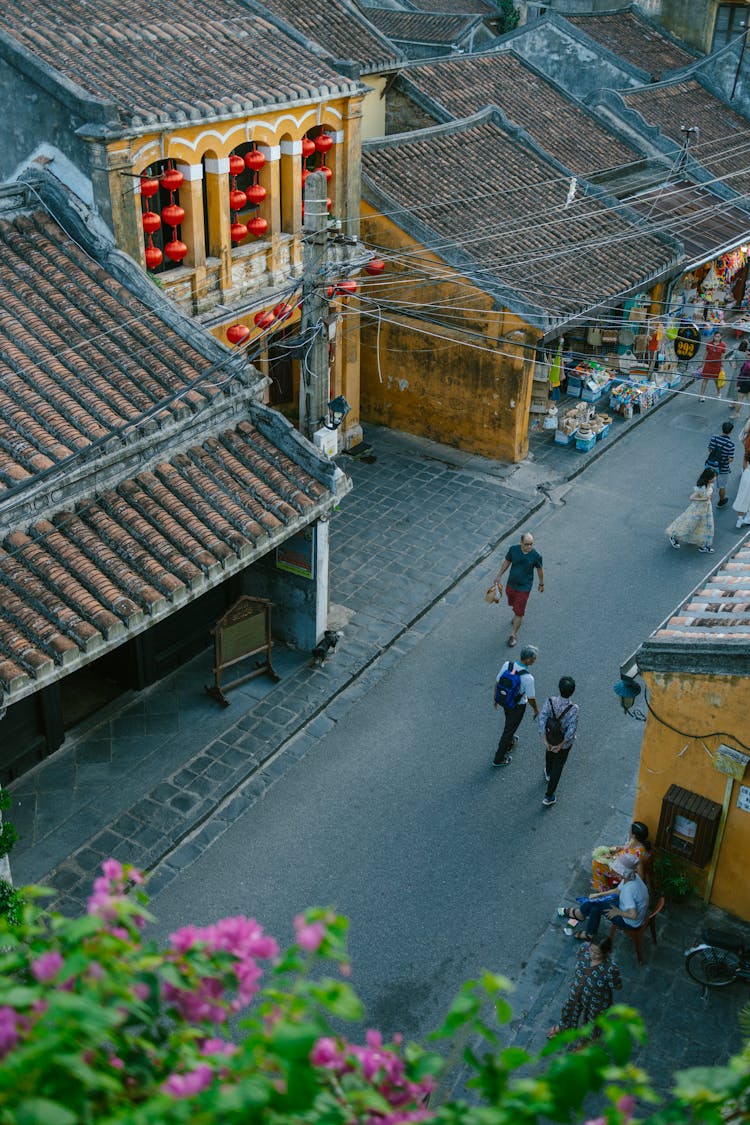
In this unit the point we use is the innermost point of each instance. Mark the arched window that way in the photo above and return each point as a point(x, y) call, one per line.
point(161, 216)
point(248, 195)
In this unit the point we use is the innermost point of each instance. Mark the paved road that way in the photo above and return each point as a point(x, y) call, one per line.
point(395, 817)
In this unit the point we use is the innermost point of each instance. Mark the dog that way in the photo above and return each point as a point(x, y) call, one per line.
point(326, 646)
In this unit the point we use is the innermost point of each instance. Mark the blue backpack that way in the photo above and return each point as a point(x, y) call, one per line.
point(508, 689)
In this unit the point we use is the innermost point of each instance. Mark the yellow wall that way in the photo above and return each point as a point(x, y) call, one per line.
point(471, 386)
point(699, 705)
point(373, 107)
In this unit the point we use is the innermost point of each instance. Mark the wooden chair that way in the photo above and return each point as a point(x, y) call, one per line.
point(635, 933)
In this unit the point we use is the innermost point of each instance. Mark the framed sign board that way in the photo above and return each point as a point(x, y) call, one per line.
point(243, 632)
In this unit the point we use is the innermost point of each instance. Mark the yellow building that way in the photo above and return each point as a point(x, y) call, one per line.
point(693, 780)
point(486, 264)
point(196, 134)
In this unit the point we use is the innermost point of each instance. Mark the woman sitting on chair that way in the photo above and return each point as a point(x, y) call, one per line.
point(605, 873)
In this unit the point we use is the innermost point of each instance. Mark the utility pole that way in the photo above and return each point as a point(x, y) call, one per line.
point(313, 380)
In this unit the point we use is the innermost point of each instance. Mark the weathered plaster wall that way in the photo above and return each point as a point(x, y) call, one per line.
point(373, 107)
point(693, 22)
point(699, 705)
point(579, 69)
point(459, 377)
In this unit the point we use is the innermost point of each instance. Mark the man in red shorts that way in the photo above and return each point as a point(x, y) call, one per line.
point(523, 560)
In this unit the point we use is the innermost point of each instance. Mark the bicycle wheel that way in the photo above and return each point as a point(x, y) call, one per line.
point(711, 966)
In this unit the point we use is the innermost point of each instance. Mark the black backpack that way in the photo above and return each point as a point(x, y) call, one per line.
point(508, 688)
point(553, 728)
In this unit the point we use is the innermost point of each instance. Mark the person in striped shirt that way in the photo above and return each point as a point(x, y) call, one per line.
point(720, 457)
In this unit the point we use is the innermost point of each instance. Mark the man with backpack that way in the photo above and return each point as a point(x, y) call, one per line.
point(558, 723)
point(514, 688)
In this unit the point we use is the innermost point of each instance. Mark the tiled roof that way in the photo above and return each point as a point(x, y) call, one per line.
point(477, 196)
point(340, 27)
point(75, 582)
point(124, 491)
point(80, 356)
point(724, 134)
point(557, 123)
point(703, 223)
point(634, 40)
point(718, 611)
point(485, 8)
point(421, 27)
point(178, 60)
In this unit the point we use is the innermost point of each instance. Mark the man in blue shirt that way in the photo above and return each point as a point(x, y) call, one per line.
point(523, 560)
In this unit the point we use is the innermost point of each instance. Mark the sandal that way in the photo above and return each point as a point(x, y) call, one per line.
point(578, 937)
point(512, 641)
point(566, 912)
point(553, 1031)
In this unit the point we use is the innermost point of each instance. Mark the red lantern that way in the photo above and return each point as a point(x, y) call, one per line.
point(149, 187)
point(264, 319)
point(151, 221)
point(236, 164)
point(257, 226)
point(329, 203)
point(153, 257)
point(308, 147)
point(324, 142)
point(375, 265)
point(236, 333)
point(237, 232)
point(255, 194)
point(175, 250)
point(237, 199)
point(172, 180)
point(329, 292)
point(283, 311)
point(327, 172)
point(172, 214)
point(347, 286)
point(305, 174)
point(254, 160)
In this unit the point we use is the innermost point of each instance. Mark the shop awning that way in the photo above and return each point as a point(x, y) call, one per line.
point(706, 225)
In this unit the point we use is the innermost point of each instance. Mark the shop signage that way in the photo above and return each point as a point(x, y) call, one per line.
point(243, 632)
point(743, 800)
point(297, 555)
point(687, 341)
point(731, 761)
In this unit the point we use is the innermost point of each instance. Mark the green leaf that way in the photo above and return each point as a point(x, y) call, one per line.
point(293, 1040)
point(701, 1082)
point(338, 998)
point(41, 1111)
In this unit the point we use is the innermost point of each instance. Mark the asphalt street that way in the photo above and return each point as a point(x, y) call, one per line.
point(395, 817)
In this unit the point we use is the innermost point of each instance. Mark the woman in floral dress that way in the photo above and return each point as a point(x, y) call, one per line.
point(696, 524)
point(592, 991)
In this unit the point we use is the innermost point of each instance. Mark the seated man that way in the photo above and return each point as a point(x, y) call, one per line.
point(628, 913)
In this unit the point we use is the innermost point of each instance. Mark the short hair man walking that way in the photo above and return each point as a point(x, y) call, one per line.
point(558, 723)
point(720, 457)
point(523, 560)
point(514, 688)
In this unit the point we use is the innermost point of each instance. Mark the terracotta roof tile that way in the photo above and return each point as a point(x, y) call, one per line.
point(723, 132)
point(560, 125)
point(485, 8)
point(718, 610)
point(92, 574)
point(477, 189)
point(80, 356)
point(178, 61)
point(344, 31)
point(634, 40)
point(422, 27)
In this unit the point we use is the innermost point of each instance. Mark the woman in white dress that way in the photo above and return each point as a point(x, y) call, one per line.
point(741, 502)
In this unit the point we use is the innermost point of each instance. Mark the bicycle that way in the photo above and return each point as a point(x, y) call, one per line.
point(718, 960)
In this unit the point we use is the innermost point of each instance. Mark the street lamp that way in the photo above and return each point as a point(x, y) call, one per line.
point(338, 408)
point(628, 690)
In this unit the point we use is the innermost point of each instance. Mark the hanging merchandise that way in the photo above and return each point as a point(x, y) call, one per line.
point(173, 215)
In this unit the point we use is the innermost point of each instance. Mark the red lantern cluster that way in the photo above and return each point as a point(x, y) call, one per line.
point(238, 200)
point(173, 215)
point(151, 223)
point(264, 319)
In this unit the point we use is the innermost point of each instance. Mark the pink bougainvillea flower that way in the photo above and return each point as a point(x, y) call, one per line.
point(309, 934)
point(8, 1031)
point(626, 1105)
point(186, 1085)
point(112, 869)
point(218, 1047)
point(45, 968)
